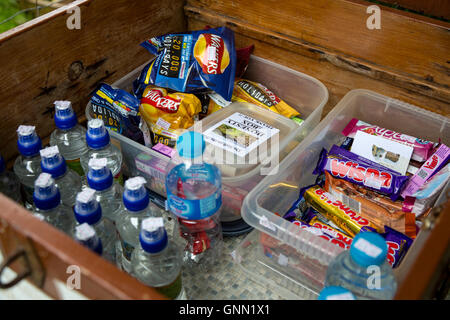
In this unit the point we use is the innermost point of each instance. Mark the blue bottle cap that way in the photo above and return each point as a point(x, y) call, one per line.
point(53, 162)
point(190, 145)
point(87, 209)
point(153, 235)
point(99, 176)
point(28, 141)
point(336, 293)
point(46, 195)
point(368, 248)
point(65, 118)
point(86, 235)
point(2, 164)
point(96, 135)
point(135, 195)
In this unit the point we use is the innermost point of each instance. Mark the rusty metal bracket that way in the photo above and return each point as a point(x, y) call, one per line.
point(30, 264)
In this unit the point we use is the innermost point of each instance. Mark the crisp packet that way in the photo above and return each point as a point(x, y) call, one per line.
point(346, 165)
point(192, 62)
point(422, 148)
point(167, 114)
point(427, 170)
point(256, 93)
point(377, 208)
point(119, 111)
point(398, 244)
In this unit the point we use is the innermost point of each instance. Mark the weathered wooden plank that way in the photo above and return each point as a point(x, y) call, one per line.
point(436, 8)
point(99, 278)
point(338, 74)
point(410, 52)
point(43, 61)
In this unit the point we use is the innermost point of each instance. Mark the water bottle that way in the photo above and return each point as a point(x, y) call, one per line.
point(107, 192)
point(67, 181)
point(158, 260)
point(48, 206)
point(27, 166)
point(363, 269)
point(88, 210)
point(87, 236)
point(194, 195)
point(9, 183)
point(69, 136)
point(136, 208)
point(335, 293)
point(99, 143)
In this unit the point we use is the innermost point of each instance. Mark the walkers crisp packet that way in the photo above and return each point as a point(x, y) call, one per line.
point(191, 62)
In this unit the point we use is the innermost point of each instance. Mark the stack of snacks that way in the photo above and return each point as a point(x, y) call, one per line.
point(370, 184)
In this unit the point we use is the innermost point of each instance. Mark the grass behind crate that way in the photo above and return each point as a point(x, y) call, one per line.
point(9, 8)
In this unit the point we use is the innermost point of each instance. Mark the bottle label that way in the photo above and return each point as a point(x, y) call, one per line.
point(75, 165)
point(127, 250)
point(119, 178)
point(172, 290)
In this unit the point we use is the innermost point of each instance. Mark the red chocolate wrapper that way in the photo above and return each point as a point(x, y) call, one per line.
point(351, 167)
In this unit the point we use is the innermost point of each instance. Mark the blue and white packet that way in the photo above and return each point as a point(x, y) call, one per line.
point(193, 62)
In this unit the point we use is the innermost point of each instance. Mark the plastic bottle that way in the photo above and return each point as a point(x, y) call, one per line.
point(48, 206)
point(87, 236)
point(107, 192)
point(194, 195)
point(158, 260)
point(136, 208)
point(88, 210)
point(69, 136)
point(363, 269)
point(9, 183)
point(335, 293)
point(99, 143)
point(68, 182)
point(27, 166)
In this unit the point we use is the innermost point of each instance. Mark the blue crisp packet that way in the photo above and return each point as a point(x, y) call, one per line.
point(191, 62)
point(118, 109)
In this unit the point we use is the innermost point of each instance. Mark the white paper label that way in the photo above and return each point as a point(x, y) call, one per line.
point(84, 231)
point(218, 99)
point(239, 134)
point(25, 130)
point(44, 180)
point(152, 224)
point(86, 196)
point(283, 260)
point(134, 183)
point(341, 296)
point(368, 248)
point(62, 105)
point(49, 152)
point(99, 163)
point(163, 123)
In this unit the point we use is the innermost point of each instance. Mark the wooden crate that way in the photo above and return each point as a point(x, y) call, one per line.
point(43, 61)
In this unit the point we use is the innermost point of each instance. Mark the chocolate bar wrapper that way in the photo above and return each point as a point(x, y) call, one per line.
point(398, 244)
point(379, 209)
point(346, 165)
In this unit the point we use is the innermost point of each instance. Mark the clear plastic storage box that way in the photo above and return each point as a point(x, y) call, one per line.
point(294, 259)
point(302, 92)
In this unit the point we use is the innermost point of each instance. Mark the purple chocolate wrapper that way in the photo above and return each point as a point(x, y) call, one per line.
point(351, 167)
point(398, 244)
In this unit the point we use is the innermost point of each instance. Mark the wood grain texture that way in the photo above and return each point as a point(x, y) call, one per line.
point(43, 61)
point(337, 79)
point(437, 8)
point(99, 278)
point(411, 53)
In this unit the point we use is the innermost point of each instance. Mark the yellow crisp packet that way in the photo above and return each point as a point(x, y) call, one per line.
point(256, 93)
point(167, 114)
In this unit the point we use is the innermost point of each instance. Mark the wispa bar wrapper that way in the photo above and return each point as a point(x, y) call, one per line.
point(346, 165)
point(422, 148)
